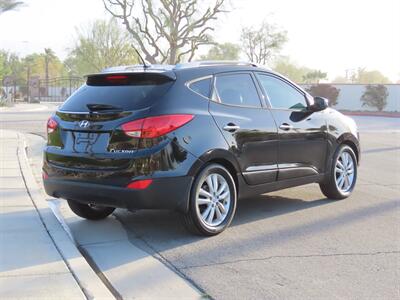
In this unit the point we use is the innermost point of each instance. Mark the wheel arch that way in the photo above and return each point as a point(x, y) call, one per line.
point(352, 142)
point(219, 156)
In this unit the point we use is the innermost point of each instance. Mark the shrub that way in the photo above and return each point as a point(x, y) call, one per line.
point(375, 96)
point(325, 90)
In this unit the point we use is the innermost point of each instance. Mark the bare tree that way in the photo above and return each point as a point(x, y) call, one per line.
point(262, 43)
point(166, 31)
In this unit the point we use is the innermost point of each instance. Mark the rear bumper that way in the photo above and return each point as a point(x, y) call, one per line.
point(163, 193)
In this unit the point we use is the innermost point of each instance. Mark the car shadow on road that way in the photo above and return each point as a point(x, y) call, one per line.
point(166, 227)
point(267, 206)
point(162, 234)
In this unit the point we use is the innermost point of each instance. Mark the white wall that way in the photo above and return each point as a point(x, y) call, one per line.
point(350, 95)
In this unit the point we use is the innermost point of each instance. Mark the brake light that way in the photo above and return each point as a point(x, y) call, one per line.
point(51, 125)
point(140, 184)
point(153, 127)
point(116, 77)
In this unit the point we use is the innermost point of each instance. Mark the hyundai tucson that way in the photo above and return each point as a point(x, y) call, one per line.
point(194, 138)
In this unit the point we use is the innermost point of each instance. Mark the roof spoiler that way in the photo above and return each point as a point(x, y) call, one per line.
point(135, 70)
point(129, 78)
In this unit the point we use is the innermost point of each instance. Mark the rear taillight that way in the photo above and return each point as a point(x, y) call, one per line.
point(153, 127)
point(51, 125)
point(139, 184)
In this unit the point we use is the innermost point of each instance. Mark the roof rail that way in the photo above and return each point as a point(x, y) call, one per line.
point(214, 63)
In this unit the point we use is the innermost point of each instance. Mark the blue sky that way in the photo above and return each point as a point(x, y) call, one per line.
point(327, 35)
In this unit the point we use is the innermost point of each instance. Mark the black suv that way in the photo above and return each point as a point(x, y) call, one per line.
point(194, 138)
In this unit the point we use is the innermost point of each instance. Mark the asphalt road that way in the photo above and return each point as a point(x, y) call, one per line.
point(32, 119)
point(292, 243)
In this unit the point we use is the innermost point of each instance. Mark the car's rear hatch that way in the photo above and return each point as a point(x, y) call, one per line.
point(87, 132)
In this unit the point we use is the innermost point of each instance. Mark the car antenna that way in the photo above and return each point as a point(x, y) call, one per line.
point(145, 66)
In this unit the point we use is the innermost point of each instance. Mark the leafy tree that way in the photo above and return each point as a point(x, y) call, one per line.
point(103, 44)
point(166, 31)
point(369, 77)
point(290, 69)
point(11, 65)
point(45, 65)
point(375, 96)
point(261, 43)
point(7, 5)
point(314, 76)
point(297, 73)
point(226, 51)
point(3, 64)
point(325, 90)
point(340, 79)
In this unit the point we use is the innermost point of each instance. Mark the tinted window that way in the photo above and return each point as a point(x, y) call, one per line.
point(281, 94)
point(138, 92)
point(237, 89)
point(201, 87)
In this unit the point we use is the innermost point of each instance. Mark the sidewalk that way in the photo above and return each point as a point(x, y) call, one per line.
point(37, 258)
point(131, 271)
point(27, 107)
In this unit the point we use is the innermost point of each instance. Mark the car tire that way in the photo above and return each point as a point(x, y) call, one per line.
point(342, 176)
point(90, 212)
point(211, 209)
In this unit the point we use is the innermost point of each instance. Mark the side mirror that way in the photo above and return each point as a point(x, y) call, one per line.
point(320, 103)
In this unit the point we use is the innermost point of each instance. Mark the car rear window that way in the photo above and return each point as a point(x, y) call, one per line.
point(128, 92)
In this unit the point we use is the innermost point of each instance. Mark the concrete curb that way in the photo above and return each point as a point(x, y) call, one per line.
point(87, 279)
point(128, 271)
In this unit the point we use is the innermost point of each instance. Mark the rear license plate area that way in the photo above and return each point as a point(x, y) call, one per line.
point(87, 142)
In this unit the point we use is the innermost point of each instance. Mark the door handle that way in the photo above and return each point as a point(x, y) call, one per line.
point(286, 126)
point(231, 127)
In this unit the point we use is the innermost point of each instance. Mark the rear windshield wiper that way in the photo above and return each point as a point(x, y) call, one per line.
point(103, 108)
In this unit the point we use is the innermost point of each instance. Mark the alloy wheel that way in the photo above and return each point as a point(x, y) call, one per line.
point(213, 200)
point(344, 172)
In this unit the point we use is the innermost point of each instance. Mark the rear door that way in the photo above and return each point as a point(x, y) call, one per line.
point(89, 122)
point(302, 134)
point(247, 126)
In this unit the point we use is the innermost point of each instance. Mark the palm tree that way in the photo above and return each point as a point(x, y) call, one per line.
point(7, 5)
point(49, 55)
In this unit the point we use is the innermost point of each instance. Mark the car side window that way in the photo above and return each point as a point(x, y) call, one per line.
point(281, 94)
point(201, 87)
point(237, 89)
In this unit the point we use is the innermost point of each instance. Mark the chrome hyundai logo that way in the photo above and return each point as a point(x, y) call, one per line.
point(84, 124)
